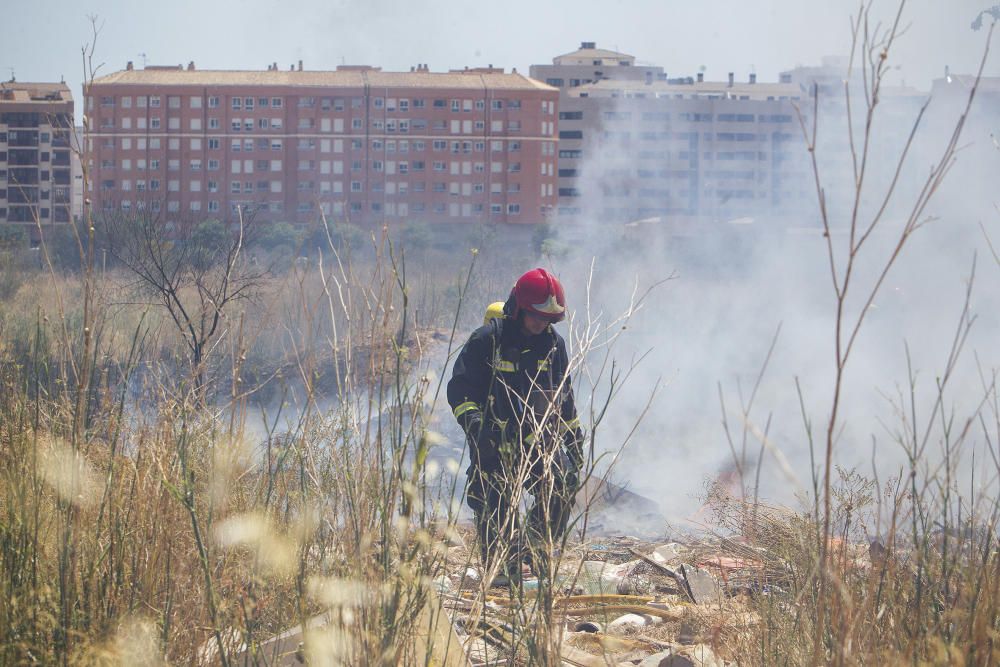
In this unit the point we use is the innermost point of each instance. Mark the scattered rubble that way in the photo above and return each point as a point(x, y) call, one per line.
point(618, 601)
point(701, 585)
point(691, 656)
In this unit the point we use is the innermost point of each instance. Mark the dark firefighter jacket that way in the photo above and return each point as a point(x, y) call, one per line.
point(513, 390)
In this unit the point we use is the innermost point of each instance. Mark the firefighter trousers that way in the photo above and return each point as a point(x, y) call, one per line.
point(494, 498)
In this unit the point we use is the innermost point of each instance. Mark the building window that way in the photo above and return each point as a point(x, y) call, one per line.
point(275, 102)
point(355, 186)
point(237, 104)
point(213, 102)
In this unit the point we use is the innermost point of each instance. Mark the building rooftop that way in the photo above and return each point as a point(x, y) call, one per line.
point(964, 82)
point(19, 92)
point(612, 88)
point(342, 77)
point(588, 53)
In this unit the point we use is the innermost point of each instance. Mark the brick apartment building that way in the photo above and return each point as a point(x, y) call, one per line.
point(476, 145)
point(36, 126)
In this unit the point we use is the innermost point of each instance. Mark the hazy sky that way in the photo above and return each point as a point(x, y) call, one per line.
point(42, 39)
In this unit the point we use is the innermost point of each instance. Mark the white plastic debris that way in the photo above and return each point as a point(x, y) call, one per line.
point(443, 584)
point(627, 619)
point(666, 554)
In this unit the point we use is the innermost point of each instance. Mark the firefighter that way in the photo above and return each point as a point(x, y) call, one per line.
point(510, 392)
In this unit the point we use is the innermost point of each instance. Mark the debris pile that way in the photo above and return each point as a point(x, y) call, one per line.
point(617, 601)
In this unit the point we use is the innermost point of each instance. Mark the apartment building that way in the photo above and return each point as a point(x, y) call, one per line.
point(36, 126)
point(636, 144)
point(631, 150)
point(357, 143)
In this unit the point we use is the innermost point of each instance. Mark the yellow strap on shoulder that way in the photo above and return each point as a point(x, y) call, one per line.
point(462, 408)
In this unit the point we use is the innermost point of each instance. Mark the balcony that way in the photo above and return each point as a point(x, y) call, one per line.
point(21, 214)
point(22, 158)
point(20, 119)
point(22, 176)
point(16, 195)
point(22, 139)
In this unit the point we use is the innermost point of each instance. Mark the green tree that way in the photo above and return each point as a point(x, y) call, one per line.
point(417, 236)
point(542, 233)
point(343, 235)
point(13, 237)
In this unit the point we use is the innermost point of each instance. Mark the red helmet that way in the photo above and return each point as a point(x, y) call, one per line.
point(540, 293)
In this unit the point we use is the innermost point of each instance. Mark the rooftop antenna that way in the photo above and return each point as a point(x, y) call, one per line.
point(12, 78)
point(143, 56)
